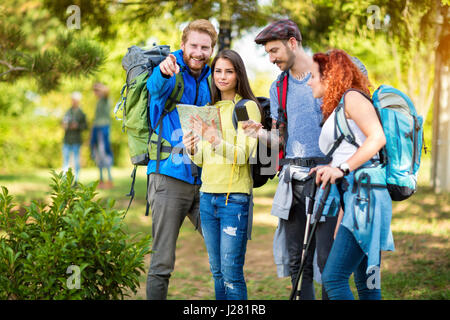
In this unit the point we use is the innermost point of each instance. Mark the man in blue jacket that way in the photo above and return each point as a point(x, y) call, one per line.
point(174, 182)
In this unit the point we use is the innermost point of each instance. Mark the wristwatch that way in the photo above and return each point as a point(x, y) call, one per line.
point(344, 167)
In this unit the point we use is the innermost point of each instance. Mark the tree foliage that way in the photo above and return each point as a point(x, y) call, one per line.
point(410, 23)
point(95, 14)
point(35, 40)
point(234, 15)
point(36, 45)
point(396, 39)
point(243, 14)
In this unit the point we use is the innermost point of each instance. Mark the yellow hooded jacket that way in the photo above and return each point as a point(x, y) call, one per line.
point(226, 168)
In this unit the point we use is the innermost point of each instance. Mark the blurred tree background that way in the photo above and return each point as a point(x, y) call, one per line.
point(51, 48)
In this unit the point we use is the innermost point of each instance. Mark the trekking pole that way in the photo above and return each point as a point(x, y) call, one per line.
point(295, 293)
point(299, 281)
point(311, 188)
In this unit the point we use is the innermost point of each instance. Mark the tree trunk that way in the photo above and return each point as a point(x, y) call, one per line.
point(441, 114)
point(225, 25)
point(441, 129)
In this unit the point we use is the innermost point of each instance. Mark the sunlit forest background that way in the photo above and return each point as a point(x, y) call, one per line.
point(396, 40)
point(49, 48)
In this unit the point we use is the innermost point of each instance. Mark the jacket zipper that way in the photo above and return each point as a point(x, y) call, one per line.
point(197, 85)
point(196, 91)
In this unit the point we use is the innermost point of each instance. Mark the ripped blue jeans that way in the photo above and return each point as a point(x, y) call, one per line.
point(224, 230)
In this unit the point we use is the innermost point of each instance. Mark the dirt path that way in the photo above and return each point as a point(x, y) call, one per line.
point(192, 277)
point(417, 269)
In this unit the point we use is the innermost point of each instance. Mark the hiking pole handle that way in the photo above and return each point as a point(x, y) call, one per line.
point(319, 212)
point(322, 201)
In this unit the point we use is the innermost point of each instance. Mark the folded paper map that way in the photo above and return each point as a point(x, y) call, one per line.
point(206, 113)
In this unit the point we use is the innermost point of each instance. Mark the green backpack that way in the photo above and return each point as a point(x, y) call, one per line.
point(139, 65)
point(143, 143)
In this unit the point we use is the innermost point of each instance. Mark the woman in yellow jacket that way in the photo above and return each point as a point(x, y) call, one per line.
point(225, 194)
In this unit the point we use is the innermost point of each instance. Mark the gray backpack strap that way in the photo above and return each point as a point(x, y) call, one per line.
point(341, 126)
point(342, 130)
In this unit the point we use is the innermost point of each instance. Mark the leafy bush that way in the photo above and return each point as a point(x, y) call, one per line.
point(73, 248)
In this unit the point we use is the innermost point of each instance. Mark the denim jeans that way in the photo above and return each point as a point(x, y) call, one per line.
point(324, 242)
point(224, 229)
point(345, 258)
point(100, 146)
point(69, 149)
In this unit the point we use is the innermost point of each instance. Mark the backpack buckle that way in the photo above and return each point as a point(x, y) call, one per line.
point(361, 199)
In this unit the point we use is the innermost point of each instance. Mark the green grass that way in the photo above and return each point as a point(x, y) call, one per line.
point(418, 269)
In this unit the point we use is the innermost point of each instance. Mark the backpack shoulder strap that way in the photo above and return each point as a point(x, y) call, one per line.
point(281, 123)
point(282, 87)
point(341, 120)
point(341, 125)
point(176, 94)
point(342, 130)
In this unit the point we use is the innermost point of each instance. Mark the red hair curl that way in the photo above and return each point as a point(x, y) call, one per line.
point(339, 73)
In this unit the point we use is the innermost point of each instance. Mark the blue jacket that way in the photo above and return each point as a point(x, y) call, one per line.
point(196, 92)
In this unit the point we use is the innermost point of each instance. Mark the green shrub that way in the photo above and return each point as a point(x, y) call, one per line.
point(73, 248)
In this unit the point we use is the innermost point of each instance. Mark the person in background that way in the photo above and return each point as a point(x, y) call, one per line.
point(100, 136)
point(74, 122)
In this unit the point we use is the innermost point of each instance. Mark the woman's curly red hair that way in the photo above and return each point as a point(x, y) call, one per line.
point(339, 73)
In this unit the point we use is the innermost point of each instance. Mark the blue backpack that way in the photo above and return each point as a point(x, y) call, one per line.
point(403, 129)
